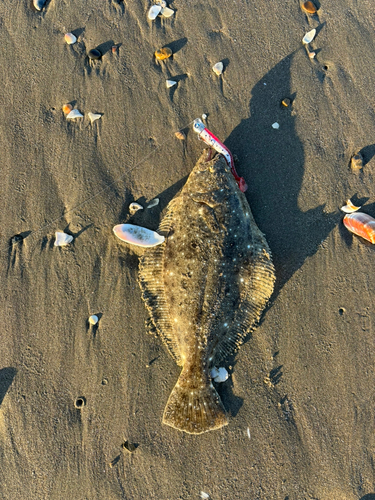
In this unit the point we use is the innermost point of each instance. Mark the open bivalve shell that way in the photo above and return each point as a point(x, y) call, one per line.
point(139, 236)
point(62, 239)
point(154, 12)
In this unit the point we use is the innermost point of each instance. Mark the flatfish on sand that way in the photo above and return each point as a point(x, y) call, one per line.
point(205, 287)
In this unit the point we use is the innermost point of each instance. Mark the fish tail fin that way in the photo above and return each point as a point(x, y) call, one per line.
point(194, 409)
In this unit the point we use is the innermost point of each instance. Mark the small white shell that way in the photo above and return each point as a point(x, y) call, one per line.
point(309, 37)
point(219, 374)
point(74, 114)
point(218, 68)
point(204, 495)
point(70, 38)
point(93, 319)
point(62, 239)
point(312, 55)
point(248, 433)
point(93, 116)
point(154, 12)
point(139, 236)
point(275, 125)
point(349, 208)
point(134, 207)
point(153, 203)
point(204, 116)
point(170, 83)
point(167, 12)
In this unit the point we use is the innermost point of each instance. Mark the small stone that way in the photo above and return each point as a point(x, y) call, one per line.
point(218, 68)
point(286, 102)
point(93, 319)
point(70, 38)
point(180, 135)
point(309, 8)
point(356, 163)
point(170, 83)
point(275, 125)
point(94, 54)
point(163, 53)
point(114, 49)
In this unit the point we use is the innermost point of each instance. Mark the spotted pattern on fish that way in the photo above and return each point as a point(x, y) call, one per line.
point(205, 287)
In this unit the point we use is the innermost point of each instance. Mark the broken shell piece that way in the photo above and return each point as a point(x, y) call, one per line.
point(154, 12)
point(70, 38)
point(356, 163)
point(180, 135)
point(134, 207)
point(93, 319)
point(204, 495)
point(219, 374)
point(275, 125)
point(286, 102)
point(361, 224)
point(153, 203)
point(139, 236)
point(62, 239)
point(349, 207)
point(163, 53)
point(218, 68)
point(167, 12)
point(312, 55)
point(309, 7)
point(74, 114)
point(94, 116)
point(170, 83)
point(67, 108)
point(309, 37)
point(204, 116)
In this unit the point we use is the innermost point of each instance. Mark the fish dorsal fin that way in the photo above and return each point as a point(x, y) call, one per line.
point(152, 285)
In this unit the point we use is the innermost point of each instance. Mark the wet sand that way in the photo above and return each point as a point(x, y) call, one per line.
point(303, 384)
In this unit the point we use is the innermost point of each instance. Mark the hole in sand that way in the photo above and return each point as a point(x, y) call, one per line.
point(342, 311)
point(80, 402)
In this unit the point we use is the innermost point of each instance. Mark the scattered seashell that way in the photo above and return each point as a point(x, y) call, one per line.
point(218, 68)
point(94, 116)
point(39, 4)
point(154, 12)
point(204, 116)
point(62, 239)
point(361, 224)
point(349, 207)
point(312, 55)
point(114, 49)
point(93, 319)
point(356, 163)
point(70, 38)
point(309, 37)
point(309, 7)
point(67, 108)
point(170, 83)
point(286, 102)
point(204, 495)
point(248, 432)
point(74, 114)
point(163, 53)
point(219, 374)
point(180, 135)
point(94, 54)
point(153, 203)
point(166, 12)
point(139, 236)
point(275, 125)
point(134, 207)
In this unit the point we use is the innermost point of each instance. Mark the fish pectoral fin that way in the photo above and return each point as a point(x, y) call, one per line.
point(194, 410)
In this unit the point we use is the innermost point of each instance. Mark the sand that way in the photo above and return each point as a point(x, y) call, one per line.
point(303, 385)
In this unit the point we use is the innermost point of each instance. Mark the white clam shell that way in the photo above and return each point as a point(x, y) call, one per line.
point(134, 207)
point(93, 116)
point(62, 239)
point(309, 37)
point(166, 12)
point(218, 68)
point(219, 374)
point(139, 236)
point(70, 38)
point(93, 319)
point(170, 83)
point(154, 12)
point(74, 114)
point(275, 125)
point(204, 495)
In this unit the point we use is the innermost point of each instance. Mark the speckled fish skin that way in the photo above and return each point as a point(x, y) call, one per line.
point(205, 287)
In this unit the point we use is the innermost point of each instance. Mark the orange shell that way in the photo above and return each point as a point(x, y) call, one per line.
point(309, 7)
point(67, 108)
point(163, 53)
point(361, 224)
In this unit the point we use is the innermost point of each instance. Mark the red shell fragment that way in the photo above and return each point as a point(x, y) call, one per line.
point(361, 224)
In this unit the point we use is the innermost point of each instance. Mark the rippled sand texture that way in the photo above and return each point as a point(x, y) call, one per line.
point(303, 384)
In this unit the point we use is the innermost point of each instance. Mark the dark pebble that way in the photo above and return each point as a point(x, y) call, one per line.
point(94, 54)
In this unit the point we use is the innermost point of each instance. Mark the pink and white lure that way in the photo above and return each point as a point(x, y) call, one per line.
point(208, 137)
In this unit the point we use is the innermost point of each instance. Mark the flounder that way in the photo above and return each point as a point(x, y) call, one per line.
point(205, 287)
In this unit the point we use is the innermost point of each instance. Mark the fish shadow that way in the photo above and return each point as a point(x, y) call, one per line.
point(272, 163)
point(6, 378)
